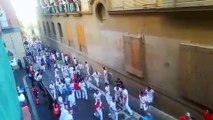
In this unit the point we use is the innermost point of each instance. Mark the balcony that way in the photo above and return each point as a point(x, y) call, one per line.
point(66, 8)
point(159, 5)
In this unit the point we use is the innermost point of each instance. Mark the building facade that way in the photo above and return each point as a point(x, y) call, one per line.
point(166, 44)
point(11, 33)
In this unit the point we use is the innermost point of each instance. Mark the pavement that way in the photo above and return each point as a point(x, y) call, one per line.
point(84, 108)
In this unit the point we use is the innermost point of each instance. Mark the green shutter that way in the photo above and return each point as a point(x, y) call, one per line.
point(9, 104)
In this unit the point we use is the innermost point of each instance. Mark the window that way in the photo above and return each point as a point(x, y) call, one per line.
point(39, 27)
point(48, 28)
point(53, 28)
point(100, 11)
point(60, 30)
point(45, 31)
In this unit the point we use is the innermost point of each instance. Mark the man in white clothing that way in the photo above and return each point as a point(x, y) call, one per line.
point(83, 90)
point(97, 95)
point(52, 89)
point(71, 99)
point(143, 102)
point(88, 82)
point(96, 76)
point(57, 54)
point(75, 61)
point(71, 70)
point(118, 92)
point(53, 56)
point(64, 112)
point(113, 109)
point(60, 87)
point(125, 98)
point(150, 94)
point(106, 76)
point(87, 68)
point(98, 109)
point(60, 101)
point(69, 115)
point(67, 80)
point(107, 91)
point(62, 57)
point(66, 59)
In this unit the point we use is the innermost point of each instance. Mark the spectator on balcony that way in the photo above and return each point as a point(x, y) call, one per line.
point(77, 5)
point(64, 3)
point(56, 4)
point(71, 5)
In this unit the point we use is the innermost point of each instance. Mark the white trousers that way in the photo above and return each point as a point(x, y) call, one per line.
point(126, 104)
point(78, 94)
point(72, 103)
point(88, 83)
point(84, 93)
point(117, 97)
point(108, 98)
point(53, 92)
point(114, 115)
point(97, 82)
point(99, 114)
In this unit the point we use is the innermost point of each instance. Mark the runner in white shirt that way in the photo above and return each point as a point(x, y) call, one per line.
point(56, 74)
point(67, 80)
point(96, 76)
point(125, 98)
point(143, 101)
point(60, 87)
point(62, 57)
point(53, 56)
point(64, 112)
point(87, 66)
point(88, 82)
point(57, 54)
point(71, 70)
point(107, 91)
point(52, 89)
point(75, 61)
point(150, 94)
point(66, 58)
point(69, 115)
point(113, 109)
point(83, 90)
point(60, 101)
point(71, 99)
point(98, 109)
point(97, 95)
point(106, 76)
point(118, 92)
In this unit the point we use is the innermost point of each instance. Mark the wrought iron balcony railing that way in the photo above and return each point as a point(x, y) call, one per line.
point(157, 4)
point(64, 8)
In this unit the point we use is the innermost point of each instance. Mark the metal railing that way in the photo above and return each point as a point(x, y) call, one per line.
point(152, 4)
point(68, 7)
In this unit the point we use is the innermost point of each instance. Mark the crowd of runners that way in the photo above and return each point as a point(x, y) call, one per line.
point(72, 81)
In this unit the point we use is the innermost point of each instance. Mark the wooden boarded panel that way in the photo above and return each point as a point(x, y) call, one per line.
point(133, 52)
point(196, 74)
point(81, 36)
point(69, 32)
point(136, 53)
